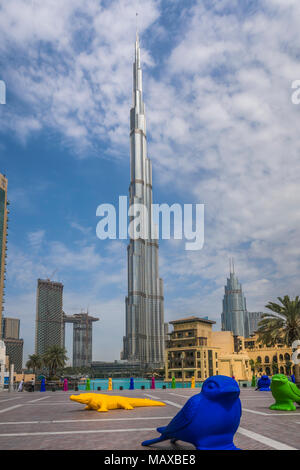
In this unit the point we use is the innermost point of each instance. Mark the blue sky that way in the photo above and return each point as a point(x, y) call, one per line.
point(222, 131)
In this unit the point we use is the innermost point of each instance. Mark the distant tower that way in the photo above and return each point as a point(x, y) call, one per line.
point(13, 343)
point(10, 327)
point(144, 340)
point(254, 319)
point(49, 330)
point(82, 338)
point(234, 316)
point(3, 241)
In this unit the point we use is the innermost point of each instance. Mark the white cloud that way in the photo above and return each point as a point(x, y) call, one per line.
point(222, 129)
point(76, 74)
point(36, 239)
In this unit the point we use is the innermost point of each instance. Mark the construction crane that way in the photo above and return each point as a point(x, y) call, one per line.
point(49, 278)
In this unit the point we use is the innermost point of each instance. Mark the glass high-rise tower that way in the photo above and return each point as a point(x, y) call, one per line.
point(144, 340)
point(49, 329)
point(13, 342)
point(235, 316)
point(254, 319)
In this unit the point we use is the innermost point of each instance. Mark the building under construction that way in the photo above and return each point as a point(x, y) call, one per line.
point(82, 338)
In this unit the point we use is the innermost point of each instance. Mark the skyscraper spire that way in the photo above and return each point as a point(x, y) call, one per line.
point(136, 24)
point(144, 340)
point(231, 265)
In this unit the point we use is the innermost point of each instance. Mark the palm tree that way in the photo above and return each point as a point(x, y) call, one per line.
point(288, 366)
point(274, 366)
point(255, 365)
point(282, 326)
point(34, 362)
point(54, 358)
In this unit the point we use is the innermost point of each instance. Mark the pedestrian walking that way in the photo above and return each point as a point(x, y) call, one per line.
point(21, 385)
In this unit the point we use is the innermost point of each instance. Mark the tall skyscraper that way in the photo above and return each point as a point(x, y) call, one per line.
point(49, 330)
point(10, 327)
point(3, 241)
point(144, 340)
point(234, 316)
point(13, 343)
point(82, 338)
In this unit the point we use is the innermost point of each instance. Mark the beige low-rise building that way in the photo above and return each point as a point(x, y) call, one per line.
point(190, 352)
point(268, 360)
point(26, 377)
point(194, 350)
point(232, 362)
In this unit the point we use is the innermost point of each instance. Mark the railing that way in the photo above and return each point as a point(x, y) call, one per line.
point(53, 385)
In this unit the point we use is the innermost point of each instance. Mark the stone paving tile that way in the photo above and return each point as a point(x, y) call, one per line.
point(57, 406)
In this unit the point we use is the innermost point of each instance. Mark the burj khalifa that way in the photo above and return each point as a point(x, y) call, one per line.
point(144, 339)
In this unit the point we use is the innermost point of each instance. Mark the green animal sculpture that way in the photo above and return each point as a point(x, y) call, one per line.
point(88, 384)
point(284, 392)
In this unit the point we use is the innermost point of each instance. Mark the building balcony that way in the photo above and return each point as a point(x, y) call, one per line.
point(193, 342)
point(181, 346)
point(182, 338)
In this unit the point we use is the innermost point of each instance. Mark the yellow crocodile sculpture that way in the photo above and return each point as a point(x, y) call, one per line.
point(101, 402)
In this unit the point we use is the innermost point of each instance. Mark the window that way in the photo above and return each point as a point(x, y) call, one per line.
point(202, 341)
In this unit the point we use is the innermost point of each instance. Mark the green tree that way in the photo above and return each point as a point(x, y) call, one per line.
point(255, 365)
point(34, 362)
point(55, 358)
point(288, 365)
point(282, 326)
point(274, 366)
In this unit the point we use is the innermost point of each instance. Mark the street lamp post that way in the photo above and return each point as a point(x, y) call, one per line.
point(182, 359)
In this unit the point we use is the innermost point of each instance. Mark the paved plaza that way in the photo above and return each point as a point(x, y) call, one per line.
point(51, 421)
